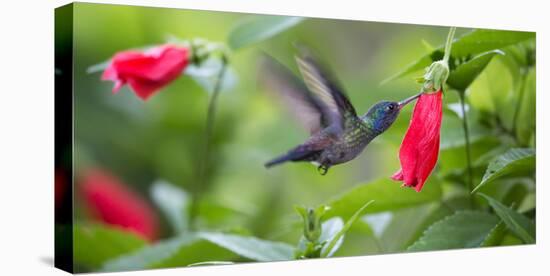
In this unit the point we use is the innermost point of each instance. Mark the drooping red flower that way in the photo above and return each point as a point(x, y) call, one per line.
point(149, 71)
point(420, 147)
point(114, 203)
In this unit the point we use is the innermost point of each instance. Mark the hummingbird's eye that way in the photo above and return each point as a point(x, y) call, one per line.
point(390, 107)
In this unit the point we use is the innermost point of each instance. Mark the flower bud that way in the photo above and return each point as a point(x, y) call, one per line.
point(312, 221)
point(436, 75)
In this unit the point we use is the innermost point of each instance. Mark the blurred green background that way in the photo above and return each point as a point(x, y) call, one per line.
point(161, 139)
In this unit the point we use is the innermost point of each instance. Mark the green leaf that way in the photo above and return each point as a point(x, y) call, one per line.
point(516, 162)
point(407, 225)
point(491, 91)
point(378, 222)
point(211, 263)
point(464, 74)
point(452, 133)
point(174, 202)
point(95, 244)
point(334, 243)
point(470, 44)
point(516, 222)
point(183, 250)
point(330, 228)
point(495, 237)
point(528, 203)
point(257, 28)
point(156, 254)
point(387, 194)
point(526, 117)
point(479, 41)
point(251, 247)
point(464, 229)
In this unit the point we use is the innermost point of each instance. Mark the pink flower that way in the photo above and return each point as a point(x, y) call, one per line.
point(420, 147)
point(114, 203)
point(149, 71)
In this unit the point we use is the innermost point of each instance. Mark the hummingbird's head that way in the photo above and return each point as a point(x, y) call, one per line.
point(382, 115)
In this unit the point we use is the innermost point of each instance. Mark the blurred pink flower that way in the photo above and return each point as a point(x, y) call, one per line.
point(149, 71)
point(114, 203)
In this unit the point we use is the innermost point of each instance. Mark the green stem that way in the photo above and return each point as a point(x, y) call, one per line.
point(449, 44)
point(470, 181)
point(205, 158)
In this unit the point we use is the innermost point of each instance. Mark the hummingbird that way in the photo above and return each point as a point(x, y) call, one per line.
point(337, 133)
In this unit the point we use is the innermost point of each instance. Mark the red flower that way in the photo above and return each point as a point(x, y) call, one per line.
point(110, 201)
point(420, 147)
point(147, 72)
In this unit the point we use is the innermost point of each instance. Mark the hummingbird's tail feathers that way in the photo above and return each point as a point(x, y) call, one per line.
point(277, 161)
point(291, 156)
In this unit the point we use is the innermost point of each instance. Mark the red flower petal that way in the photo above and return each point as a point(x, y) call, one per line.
point(143, 88)
point(420, 147)
point(149, 71)
point(110, 201)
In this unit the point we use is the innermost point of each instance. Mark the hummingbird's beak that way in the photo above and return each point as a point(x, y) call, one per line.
point(408, 100)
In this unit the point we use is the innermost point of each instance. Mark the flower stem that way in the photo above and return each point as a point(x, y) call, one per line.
point(470, 181)
point(449, 44)
point(205, 157)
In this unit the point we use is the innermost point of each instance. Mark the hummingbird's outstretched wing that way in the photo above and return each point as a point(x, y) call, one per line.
point(323, 86)
point(310, 111)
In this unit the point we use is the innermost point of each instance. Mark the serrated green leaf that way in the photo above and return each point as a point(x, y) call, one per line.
point(387, 195)
point(174, 202)
point(464, 229)
point(335, 241)
point(257, 28)
point(516, 222)
point(470, 44)
point(94, 244)
point(464, 74)
point(182, 251)
point(516, 162)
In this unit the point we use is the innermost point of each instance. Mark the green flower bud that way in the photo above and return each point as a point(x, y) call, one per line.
point(312, 221)
point(436, 75)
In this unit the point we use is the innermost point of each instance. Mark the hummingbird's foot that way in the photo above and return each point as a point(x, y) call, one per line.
point(322, 169)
